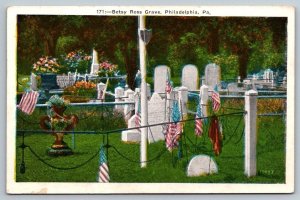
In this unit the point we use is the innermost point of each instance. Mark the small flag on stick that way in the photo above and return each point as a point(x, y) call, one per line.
point(198, 122)
point(138, 115)
point(103, 167)
point(216, 99)
point(28, 102)
point(168, 88)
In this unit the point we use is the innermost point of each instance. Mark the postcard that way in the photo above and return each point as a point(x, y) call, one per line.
point(150, 99)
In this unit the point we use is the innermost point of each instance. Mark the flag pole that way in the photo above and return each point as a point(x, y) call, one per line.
point(144, 103)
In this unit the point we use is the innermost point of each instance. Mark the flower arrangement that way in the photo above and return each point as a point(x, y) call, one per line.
point(107, 69)
point(57, 101)
point(77, 61)
point(46, 64)
point(83, 89)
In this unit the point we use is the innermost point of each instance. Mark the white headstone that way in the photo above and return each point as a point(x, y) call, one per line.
point(131, 135)
point(160, 78)
point(119, 92)
point(232, 88)
point(156, 114)
point(33, 81)
point(128, 108)
point(189, 77)
point(95, 64)
point(202, 165)
point(212, 75)
point(183, 96)
point(100, 90)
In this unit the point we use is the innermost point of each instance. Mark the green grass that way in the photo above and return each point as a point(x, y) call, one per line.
point(167, 168)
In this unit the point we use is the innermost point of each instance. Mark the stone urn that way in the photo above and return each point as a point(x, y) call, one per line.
point(57, 122)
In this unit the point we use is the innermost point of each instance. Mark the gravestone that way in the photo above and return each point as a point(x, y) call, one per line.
point(128, 108)
point(160, 78)
point(131, 135)
point(201, 165)
point(33, 82)
point(156, 114)
point(189, 77)
point(233, 88)
point(119, 92)
point(49, 81)
point(212, 75)
point(95, 64)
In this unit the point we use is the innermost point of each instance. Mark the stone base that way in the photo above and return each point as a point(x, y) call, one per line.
point(202, 165)
point(59, 151)
point(131, 136)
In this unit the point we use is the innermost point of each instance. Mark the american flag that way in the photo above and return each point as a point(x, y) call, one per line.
point(216, 99)
point(174, 129)
point(168, 85)
point(138, 115)
point(103, 176)
point(28, 101)
point(198, 122)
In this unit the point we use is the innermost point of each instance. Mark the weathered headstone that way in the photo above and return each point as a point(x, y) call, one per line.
point(119, 92)
point(128, 108)
point(160, 78)
point(131, 135)
point(233, 88)
point(156, 114)
point(268, 75)
point(95, 64)
point(189, 77)
point(202, 165)
point(212, 75)
point(100, 91)
point(33, 82)
point(183, 96)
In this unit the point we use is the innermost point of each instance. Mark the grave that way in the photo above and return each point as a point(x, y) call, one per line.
point(95, 64)
point(49, 81)
point(33, 82)
point(212, 75)
point(160, 78)
point(201, 165)
point(189, 77)
point(156, 114)
point(233, 88)
point(131, 135)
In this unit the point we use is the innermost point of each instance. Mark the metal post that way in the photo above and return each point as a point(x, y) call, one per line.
point(250, 132)
point(144, 103)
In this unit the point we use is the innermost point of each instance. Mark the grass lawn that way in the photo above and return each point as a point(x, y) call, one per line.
point(166, 168)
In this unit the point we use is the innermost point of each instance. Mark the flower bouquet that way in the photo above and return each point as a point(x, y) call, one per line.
point(47, 64)
point(107, 69)
point(77, 61)
point(81, 91)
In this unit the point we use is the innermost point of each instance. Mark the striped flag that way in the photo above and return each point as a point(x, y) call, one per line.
point(168, 88)
point(103, 176)
point(216, 99)
point(138, 115)
point(198, 122)
point(28, 102)
point(174, 129)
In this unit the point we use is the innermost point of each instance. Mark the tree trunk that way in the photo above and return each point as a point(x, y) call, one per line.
point(243, 58)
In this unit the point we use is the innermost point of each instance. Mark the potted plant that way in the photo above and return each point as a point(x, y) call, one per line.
point(107, 69)
point(57, 122)
point(77, 61)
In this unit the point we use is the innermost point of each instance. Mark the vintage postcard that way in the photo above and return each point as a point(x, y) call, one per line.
point(150, 99)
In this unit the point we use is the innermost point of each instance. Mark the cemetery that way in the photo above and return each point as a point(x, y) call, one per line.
point(85, 118)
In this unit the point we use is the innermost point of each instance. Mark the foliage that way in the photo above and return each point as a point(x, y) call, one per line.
point(107, 69)
point(77, 61)
point(55, 100)
point(82, 89)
